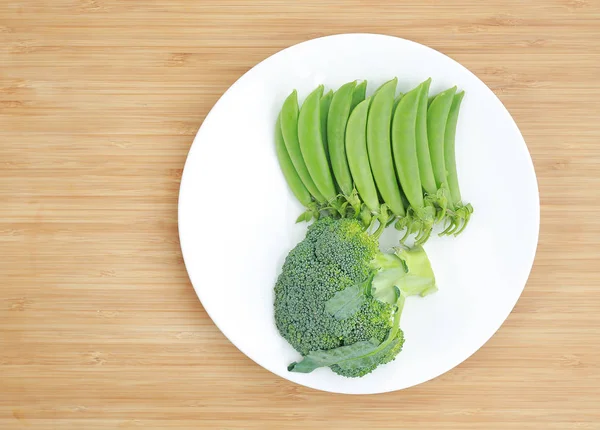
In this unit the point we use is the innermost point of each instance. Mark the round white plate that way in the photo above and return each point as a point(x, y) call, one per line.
point(236, 213)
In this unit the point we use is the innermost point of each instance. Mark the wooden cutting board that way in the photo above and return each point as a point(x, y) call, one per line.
point(99, 325)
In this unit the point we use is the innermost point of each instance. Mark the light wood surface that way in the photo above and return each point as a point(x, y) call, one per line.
point(99, 325)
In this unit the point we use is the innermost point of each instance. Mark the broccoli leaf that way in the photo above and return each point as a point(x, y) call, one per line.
point(316, 359)
point(348, 301)
point(352, 358)
point(371, 359)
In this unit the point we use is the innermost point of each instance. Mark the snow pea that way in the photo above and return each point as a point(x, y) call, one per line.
point(449, 148)
point(288, 169)
point(325, 103)
point(425, 167)
point(311, 144)
point(380, 148)
point(339, 112)
point(437, 117)
point(404, 144)
point(289, 129)
point(358, 157)
point(359, 94)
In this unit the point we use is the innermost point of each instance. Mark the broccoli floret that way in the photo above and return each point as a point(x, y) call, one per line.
point(338, 299)
point(336, 254)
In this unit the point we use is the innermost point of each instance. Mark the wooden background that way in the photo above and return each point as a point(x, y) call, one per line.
point(99, 325)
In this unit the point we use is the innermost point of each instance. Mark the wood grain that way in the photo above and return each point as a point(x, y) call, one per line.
point(99, 325)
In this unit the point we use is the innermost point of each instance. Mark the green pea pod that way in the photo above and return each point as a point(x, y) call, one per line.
point(311, 144)
point(288, 169)
point(380, 147)
point(404, 143)
point(359, 94)
point(289, 129)
point(437, 116)
point(339, 112)
point(325, 103)
point(449, 148)
point(396, 101)
point(358, 156)
point(425, 167)
point(461, 213)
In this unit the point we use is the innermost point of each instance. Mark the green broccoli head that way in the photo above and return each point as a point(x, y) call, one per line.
point(338, 299)
point(334, 255)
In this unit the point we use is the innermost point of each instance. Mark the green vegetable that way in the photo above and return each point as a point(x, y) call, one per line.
point(425, 168)
point(358, 157)
point(462, 212)
point(449, 148)
point(339, 299)
point(348, 301)
point(289, 129)
point(380, 148)
point(339, 112)
point(311, 145)
point(287, 167)
point(354, 360)
point(355, 331)
point(396, 102)
point(437, 116)
point(335, 254)
point(359, 94)
point(325, 103)
point(405, 147)
point(404, 144)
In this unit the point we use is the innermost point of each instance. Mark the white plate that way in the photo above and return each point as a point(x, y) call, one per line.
point(236, 214)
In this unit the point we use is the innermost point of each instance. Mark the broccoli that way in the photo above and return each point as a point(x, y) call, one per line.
point(338, 299)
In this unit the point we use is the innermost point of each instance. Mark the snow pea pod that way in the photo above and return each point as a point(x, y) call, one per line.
point(396, 101)
point(425, 167)
point(358, 156)
point(325, 103)
point(289, 128)
point(311, 144)
point(288, 169)
point(404, 143)
point(339, 112)
point(437, 116)
point(379, 146)
point(359, 94)
point(449, 148)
